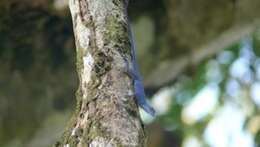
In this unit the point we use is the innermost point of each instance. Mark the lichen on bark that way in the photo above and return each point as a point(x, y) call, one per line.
point(106, 114)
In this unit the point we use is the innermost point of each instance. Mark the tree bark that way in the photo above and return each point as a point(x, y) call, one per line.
point(106, 114)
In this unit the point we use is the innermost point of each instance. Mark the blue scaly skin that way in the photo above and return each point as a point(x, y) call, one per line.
point(134, 73)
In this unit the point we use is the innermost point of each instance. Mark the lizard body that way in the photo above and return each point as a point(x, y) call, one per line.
point(134, 73)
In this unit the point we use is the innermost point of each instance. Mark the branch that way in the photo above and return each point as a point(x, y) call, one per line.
point(170, 70)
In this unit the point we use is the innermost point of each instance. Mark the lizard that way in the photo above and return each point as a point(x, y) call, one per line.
point(134, 73)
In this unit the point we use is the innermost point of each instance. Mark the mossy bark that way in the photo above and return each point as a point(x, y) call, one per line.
point(107, 114)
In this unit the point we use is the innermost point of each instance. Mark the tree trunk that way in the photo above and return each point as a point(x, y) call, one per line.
point(106, 114)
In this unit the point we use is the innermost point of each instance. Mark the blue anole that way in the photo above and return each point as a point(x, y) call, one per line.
point(138, 83)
